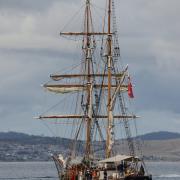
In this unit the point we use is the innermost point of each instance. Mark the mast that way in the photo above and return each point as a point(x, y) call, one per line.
point(89, 85)
point(109, 62)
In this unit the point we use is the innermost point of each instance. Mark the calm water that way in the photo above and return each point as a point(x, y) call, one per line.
point(47, 171)
point(164, 170)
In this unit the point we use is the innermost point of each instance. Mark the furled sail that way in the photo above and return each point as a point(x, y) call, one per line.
point(64, 88)
point(70, 88)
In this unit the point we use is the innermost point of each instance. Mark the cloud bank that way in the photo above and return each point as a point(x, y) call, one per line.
point(30, 50)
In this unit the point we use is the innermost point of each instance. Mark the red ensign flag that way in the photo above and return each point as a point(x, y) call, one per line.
point(130, 91)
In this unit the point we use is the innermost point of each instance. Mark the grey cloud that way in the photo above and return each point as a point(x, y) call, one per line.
point(26, 5)
point(51, 53)
point(156, 93)
point(149, 40)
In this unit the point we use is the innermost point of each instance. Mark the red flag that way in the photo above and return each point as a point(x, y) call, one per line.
point(130, 91)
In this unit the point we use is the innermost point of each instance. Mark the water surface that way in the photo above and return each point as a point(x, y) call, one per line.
point(47, 170)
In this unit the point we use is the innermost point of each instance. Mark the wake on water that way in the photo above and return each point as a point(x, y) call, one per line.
point(169, 176)
point(166, 177)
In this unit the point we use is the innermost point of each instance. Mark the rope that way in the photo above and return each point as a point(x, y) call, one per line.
point(73, 17)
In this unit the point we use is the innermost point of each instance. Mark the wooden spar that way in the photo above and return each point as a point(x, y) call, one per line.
point(57, 77)
point(120, 117)
point(89, 83)
point(83, 33)
point(116, 91)
point(109, 62)
point(83, 85)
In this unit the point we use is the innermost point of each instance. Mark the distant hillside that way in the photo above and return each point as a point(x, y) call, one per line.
point(32, 139)
point(23, 147)
point(162, 135)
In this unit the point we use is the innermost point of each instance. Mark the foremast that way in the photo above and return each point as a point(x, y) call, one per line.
point(87, 47)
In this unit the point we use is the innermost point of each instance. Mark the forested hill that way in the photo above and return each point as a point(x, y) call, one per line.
point(23, 147)
point(162, 135)
point(32, 139)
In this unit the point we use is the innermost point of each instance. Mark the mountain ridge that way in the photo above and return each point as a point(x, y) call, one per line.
point(25, 138)
point(160, 135)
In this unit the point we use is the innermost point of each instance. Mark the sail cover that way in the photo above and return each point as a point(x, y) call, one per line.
point(118, 158)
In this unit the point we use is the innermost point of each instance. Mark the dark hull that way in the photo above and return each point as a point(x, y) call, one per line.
point(138, 178)
point(126, 178)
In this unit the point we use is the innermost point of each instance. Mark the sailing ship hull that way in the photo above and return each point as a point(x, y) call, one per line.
point(119, 167)
point(80, 173)
point(109, 178)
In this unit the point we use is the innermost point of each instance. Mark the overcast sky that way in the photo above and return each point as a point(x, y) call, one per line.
point(31, 49)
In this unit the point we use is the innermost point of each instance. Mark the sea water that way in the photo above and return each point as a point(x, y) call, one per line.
point(164, 170)
point(47, 170)
point(28, 171)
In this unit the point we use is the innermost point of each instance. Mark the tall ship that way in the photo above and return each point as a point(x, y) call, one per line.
point(97, 119)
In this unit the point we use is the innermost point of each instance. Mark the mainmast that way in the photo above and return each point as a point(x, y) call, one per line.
point(109, 62)
point(89, 83)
